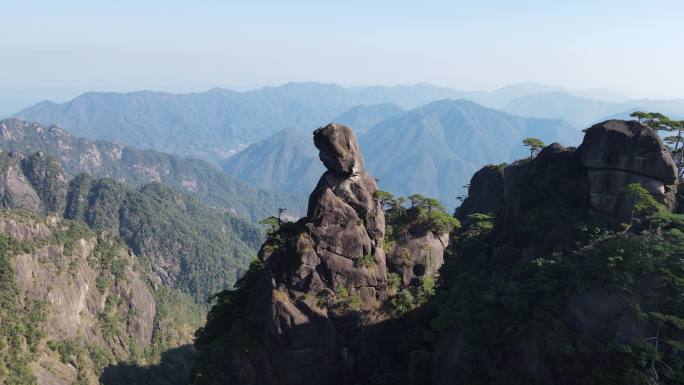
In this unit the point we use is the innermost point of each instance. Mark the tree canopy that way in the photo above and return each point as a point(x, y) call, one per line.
point(534, 144)
point(660, 122)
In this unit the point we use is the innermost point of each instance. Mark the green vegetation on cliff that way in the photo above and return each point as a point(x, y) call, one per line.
point(124, 316)
point(190, 246)
point(608, 311)
point(20, 322)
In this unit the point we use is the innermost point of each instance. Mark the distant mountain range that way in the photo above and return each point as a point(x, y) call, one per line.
point(582, 112)
point(217, 123)
point(135, 167)
point(286, 161)
point(434, 149)
point(262, 137)
point(430, 150)
point(363, 118)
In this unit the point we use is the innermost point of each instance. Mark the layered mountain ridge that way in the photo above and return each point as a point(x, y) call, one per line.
point(431, 150)
point(135, 167)
point(215, 124)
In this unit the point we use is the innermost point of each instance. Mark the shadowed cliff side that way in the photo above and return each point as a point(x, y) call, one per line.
point(567, 271)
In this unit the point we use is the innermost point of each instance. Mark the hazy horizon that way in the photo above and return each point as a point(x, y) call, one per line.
point(56, 51)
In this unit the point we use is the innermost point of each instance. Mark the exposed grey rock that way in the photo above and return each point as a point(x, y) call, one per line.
point(485, 193)
point(617, 153)
point(339, 150)
point(417, 256)
point(15, 190)
point(66, 281)
point(325, 275)
point(587, 181)
point(48, 180)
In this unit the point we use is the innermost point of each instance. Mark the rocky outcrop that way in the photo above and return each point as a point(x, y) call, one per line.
point(485, 193)
point(15, 189)
point(414, 257)
point(562, 185)
point(48, 180)
point(616, 153)
point(324, 280)
point(549, 210)
point(346, 224)
point(339, 244)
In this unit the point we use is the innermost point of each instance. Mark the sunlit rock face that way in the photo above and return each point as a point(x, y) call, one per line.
point(617, 153)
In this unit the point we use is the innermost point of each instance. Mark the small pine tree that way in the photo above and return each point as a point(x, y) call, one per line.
point(534, 144)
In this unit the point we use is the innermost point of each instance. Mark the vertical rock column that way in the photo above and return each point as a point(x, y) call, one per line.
point(327, 273)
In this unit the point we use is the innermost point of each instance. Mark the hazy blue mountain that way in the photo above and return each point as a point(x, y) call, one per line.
point(433, 150)
point(583, 112)
point(285, 161)
point(215, 124)
point(361, 118)
point(601, 94)
point(136, 167)
point(502, 96)
point(668, 107)
point(625, 115)
point(578, 111)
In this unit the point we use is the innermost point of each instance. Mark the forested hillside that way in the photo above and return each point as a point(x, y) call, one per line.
point(135, 167)
point(188, 245)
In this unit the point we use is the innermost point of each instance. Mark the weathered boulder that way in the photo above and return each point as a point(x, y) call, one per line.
point(417, 256)
point(617, 153)
point(339, 150)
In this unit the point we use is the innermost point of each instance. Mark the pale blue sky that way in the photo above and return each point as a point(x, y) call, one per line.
point(58, 49)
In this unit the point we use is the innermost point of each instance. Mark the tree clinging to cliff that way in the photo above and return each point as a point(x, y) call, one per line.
point(534, 144)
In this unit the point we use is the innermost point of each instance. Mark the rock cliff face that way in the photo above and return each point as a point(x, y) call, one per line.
point(329, 274)
point(485, 193)
point(416, 256)
point(569, 185)
point(172, 229)
point(80, 302)
point(15, 190)
point(345, 224)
